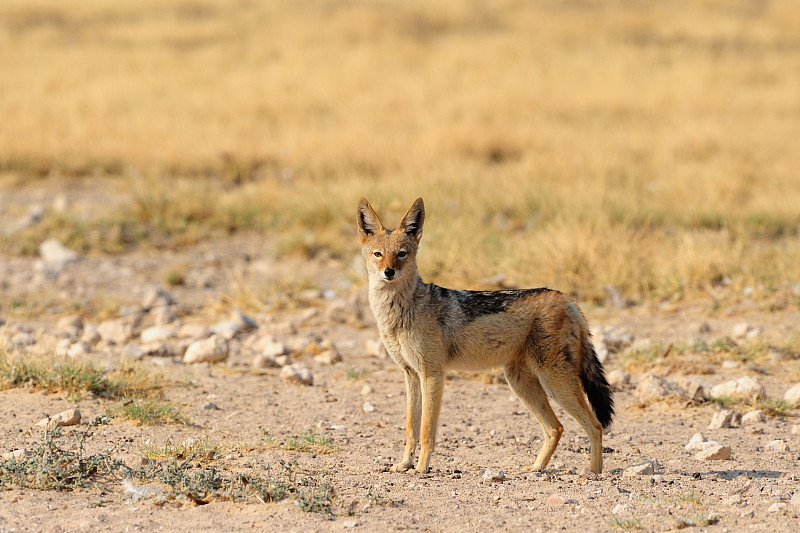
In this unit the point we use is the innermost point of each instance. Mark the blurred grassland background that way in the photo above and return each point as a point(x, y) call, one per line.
point(649, 146)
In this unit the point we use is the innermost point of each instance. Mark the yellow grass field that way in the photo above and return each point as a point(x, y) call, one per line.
point(649, 146)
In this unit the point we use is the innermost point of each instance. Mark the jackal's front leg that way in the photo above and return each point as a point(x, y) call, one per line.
point(432, 387)
point(413, 417)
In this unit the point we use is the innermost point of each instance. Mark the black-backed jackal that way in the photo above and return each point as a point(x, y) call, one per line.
point(538, 336)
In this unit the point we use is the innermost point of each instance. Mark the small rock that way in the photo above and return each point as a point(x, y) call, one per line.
point(618, 379)
point(777, 446)
point(91, 335)
point(274, 349)
point(721, 419)
point(368, 407)
point(70, 417)
point(246, 323)
point(328, 357)
point(795, 501)
point(163, 315)
point(72, 326)
point(194, 331)
point(492, 475)
point(736, 499)
point(17, 455)
point(745, 388)
point(133, 351)
point(55, 256)
point(157, 334)
point(556, 500)
point(645, 468)
point(694, 389)
point(739, 330)
point(376, 348)
point(156, 298)
point(698, 442)
point(297, 374)
point(227, 329)
point(714, 453)
point(754, 417)
point(115, 331)
point(777, 507)
point(264, 361)
point(366, 390)
point(652, 387)
point(586, 473)
point(209, 406)
point(23, 339)
point(622, 509)
point(792, 396)
point(616, 339)
point(601, 351)
point(211, 350)
point(79, 349)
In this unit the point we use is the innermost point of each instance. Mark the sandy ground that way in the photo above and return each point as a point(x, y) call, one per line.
point(483, 427)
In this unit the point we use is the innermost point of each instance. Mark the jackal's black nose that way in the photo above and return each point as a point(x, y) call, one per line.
point(389, 273)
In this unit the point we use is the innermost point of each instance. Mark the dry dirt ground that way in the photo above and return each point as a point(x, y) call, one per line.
point(482, 426)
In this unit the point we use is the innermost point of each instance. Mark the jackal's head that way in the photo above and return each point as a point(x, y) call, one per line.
point(390, 254)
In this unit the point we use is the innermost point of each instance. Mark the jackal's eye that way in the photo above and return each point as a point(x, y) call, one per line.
point(401, 254)
point(377, 254)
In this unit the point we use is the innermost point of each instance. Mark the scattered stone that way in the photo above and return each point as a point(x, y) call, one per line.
point(328, 357)
point(694, 389)
point(586, 473)
point(744, 388)
point(133, 351)
point(227, 329)
point(792, 396)
point(616, 339)
point(71, 326)
point(157, 334)
point(211, 350)
point(645, 468)
point(209, 406)
point(70, 417)
point(368, 407)
point(264, 361)
point(699, 442)
point(91, 335)
point(376, 348)
point(493, 476)
point(777, 507)
point(736, 499)
point(721, 419)
point(297, 374)
point(601, 350)
point(622, 508)
point(714, 453)
point(652, 387)
point(274, 349)
point(79, 349)
point(795, 501)
point(778, 446)
point(115, 331)
point(739, 330)
point(366, 389)
point(17, 455)
point(245, 322)
point(556, 500)
point(163, 315)
point(156, 298)
point(754, 417)
point(23, 339)
point(194, 331)
point(618, 379)
point(55, 256)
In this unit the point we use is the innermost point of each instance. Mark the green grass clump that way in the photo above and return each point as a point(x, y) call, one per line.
point(628, 524)
point(309, 442)
point(147, 410)
point(189, 447)
point(53, 466)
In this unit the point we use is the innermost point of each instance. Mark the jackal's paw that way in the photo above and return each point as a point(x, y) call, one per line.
point(533, 468)
point(401, 467)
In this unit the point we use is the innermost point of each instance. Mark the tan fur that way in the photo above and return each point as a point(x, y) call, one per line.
point(537, 336)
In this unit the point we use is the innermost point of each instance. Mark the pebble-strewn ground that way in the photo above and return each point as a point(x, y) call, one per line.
point(254, 349)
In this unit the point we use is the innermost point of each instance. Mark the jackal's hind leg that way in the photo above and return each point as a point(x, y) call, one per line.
point(526, 386)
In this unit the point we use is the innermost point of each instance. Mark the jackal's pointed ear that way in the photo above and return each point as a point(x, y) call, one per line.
point(368, 222)
point(413, 220)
